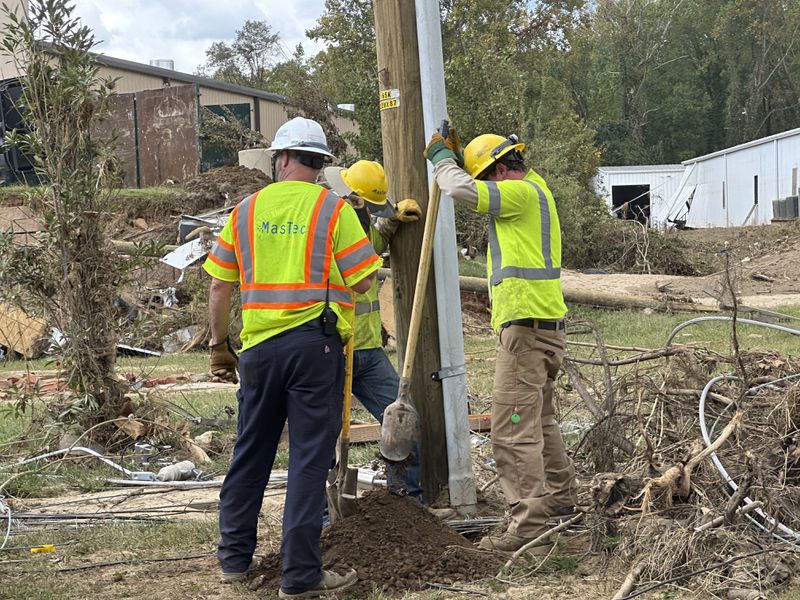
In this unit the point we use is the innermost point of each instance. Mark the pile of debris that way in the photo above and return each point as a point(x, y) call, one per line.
point(698, 469)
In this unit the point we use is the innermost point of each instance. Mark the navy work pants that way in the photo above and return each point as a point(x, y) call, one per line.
point(297, 375)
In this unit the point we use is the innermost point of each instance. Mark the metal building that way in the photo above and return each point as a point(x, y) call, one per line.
point(640, 192)
point(740, 185)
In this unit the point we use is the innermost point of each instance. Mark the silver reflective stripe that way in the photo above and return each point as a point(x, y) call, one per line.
point(362, 308)
point(531, 273)
point(544, 210)
point(347, 262)
point(494, 249)
point(225, 255)
point(320, 247)
point(298, 295)
point(244, 236)
point(500, 272)
point(494, 198)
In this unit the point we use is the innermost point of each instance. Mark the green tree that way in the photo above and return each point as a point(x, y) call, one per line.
point(248, 60)
point(347, 69)
point(71, 275)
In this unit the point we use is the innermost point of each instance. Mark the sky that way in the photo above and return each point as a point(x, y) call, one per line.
point(182, 30)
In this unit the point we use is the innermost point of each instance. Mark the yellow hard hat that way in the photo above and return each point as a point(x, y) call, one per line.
point(365, 178)
point(485, 150)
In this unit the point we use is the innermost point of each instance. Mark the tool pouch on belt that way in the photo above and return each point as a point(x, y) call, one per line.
point(328, 317)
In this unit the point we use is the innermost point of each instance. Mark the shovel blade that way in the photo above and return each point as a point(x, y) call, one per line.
point(399, 430)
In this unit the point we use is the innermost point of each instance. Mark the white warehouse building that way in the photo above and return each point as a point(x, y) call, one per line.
point(640, 192)
point(737, 186)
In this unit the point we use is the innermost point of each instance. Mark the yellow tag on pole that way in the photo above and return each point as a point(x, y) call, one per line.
point(389, 98)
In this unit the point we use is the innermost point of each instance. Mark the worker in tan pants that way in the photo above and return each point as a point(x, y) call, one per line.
point(537, 477)
point(524, 269)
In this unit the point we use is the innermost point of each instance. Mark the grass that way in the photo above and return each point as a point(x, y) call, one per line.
point(636, 328)
point(473, 268)
point(110, 542)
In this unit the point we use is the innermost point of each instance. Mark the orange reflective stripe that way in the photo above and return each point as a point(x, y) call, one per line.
point(326, 267)
point(222, 263)
point(364, 263)
point(293, 286)
point(251, 234)
point(237, 248)
point(354, 256)
point(312, 230)
point(351, 248)
point(283, 296)
point(225, 245)
point(286, 305)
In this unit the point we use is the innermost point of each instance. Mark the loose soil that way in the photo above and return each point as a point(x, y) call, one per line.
point(395, 545)
point(224, 186)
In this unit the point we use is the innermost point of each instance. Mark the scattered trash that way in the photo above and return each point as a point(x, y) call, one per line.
point(181, 471)
point(175, 341)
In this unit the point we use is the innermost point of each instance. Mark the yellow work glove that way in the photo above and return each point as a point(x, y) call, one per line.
point(224, 361)
point(407, 211)
point(439, 148)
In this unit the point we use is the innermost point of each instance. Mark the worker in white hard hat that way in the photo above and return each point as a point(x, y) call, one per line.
point(375, 381)
point(296, 250)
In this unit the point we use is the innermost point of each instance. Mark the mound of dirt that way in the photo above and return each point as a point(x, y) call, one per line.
point(395, 545)
point(224, 186)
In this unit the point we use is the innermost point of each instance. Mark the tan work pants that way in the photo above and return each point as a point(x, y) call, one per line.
point(536, 475)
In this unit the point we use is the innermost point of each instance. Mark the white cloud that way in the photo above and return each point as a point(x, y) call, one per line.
point(182, 30)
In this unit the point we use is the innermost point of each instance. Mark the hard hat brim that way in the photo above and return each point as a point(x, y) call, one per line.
point(333, 175)
point(304, 149)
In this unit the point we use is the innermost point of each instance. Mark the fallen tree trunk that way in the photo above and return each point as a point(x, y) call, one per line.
point(581, 295)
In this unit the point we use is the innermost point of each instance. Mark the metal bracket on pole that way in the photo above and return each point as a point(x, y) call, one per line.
point(446, 372)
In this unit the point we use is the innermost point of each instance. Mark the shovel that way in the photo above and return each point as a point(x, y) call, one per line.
point(400, 419)
point(344, 488)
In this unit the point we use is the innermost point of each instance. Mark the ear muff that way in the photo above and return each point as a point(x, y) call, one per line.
point(313, 161)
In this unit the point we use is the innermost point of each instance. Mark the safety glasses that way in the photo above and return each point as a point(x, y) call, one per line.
point(511, 140)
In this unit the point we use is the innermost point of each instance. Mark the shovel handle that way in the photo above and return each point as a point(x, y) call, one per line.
point(422, 279)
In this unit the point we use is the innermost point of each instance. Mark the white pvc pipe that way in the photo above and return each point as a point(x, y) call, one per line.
point(81, 450)
point(718, 464)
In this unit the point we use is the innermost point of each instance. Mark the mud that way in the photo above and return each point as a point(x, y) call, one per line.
point(395, 545)
point(224, 186)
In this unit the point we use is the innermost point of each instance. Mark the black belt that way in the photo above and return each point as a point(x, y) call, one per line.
point(547, 324)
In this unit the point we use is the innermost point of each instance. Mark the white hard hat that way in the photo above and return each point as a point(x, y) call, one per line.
point(302, 135)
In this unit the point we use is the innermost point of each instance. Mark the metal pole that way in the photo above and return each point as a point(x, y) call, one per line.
point(461, 483)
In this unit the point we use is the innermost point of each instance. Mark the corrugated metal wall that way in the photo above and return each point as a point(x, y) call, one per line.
point(725, 185)
point(662, 179)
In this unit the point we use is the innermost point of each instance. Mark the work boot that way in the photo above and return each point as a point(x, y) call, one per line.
point(240, 577)
point(509, 542)
point(330, 583)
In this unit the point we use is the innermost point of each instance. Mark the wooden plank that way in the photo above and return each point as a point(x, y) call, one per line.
point(21, 333)
point(22, 222)
point(362, 433)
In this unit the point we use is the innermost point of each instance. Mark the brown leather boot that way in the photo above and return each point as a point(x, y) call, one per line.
point(509, 542)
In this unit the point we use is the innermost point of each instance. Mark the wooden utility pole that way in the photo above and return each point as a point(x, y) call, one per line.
point(403, 142)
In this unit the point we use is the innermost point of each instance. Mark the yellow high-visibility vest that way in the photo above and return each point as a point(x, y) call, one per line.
point(291, 246)
point(368, 307)
point(524, 262)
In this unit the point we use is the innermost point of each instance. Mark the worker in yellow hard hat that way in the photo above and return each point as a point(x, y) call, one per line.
point(524, 268)
point(375, 381)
